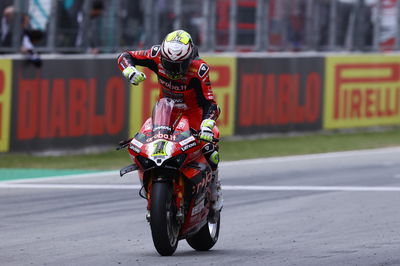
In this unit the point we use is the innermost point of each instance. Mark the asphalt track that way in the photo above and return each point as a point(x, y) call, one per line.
point(329, 209)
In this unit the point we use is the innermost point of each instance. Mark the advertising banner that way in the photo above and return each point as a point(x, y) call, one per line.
point(68, 104)
point(362, 91)
point(5, 103)
point(223, 81)
point(279, 94)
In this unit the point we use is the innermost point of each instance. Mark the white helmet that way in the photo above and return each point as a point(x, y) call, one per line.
point(177, 53)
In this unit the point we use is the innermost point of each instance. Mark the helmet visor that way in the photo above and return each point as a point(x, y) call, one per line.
point(175, 67)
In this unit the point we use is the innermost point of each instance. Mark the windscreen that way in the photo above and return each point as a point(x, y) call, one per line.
point(165, 116)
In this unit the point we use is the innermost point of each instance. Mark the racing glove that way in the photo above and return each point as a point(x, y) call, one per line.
point(206, 128)
point(134, 75)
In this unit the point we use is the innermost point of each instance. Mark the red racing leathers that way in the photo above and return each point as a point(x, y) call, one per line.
point(192, 92)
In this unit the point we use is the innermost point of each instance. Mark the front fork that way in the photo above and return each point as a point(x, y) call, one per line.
point(179, 189)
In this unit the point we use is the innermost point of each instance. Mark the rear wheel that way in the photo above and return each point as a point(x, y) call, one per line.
point(206, 238)
point(163, 223)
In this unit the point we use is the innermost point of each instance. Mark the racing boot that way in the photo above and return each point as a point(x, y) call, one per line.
point(217, 200)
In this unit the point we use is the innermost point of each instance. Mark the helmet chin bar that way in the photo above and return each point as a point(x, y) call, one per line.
point(175, 70)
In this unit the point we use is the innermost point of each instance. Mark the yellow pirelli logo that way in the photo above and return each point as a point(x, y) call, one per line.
point(5, 104)
point(362, 91)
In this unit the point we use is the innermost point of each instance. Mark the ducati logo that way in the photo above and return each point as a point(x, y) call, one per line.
point(155, 50)
point(203, 70)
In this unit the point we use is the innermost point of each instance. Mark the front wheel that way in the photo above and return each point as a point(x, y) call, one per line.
point(206, 238)
point(163, 223)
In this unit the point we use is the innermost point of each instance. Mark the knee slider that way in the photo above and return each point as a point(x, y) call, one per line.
point(211, 153)
point(208, 149)
point(214, 158)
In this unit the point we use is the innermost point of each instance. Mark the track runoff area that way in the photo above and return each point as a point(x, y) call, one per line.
point(322, 209)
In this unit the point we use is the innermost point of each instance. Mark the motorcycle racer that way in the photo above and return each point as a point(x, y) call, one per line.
point(184, 77)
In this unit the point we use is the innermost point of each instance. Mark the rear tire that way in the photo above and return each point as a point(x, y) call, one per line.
point(206, 238)
point(164, 227)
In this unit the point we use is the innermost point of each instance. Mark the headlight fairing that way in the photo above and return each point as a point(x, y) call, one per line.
point(175, 162)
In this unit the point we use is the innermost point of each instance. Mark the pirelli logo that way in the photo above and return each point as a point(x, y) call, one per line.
point(363, 92)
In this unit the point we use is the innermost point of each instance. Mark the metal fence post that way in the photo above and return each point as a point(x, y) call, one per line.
point(206, 45)
point(332, 25)
point(178, 14)
point(358, 29)
point(285, 30)
point(266, 26)
point(377, 26)
point(397, 47)
point(349, 42)
point(86, 13)
point(260, 26)
point(213, 23)
point(16, 28)
point(148, 19)
point(309, 25)
point(51, 36)
point(117, 26)
point(232, 25)
point(111, 27)
point(155, 24)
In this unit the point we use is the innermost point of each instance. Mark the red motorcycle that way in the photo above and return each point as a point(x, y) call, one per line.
point(175, 178)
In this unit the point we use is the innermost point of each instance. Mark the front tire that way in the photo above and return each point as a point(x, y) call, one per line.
point(163, 223)
point(206, 238)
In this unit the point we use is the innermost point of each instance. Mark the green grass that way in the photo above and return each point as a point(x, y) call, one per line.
point(229, 150)
point(307, 144)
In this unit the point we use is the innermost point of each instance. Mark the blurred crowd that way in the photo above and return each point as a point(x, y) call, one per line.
point(100, 26)
point(29, 37)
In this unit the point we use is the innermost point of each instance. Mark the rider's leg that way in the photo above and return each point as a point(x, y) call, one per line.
point(211, 154)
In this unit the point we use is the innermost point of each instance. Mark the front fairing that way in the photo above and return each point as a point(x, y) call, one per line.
point(165, 139)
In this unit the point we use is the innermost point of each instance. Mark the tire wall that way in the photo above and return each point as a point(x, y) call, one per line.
point(73, 103)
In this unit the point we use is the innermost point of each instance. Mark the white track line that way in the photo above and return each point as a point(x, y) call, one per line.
point(68, 186)
point(226, 188)
point(313, 188)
